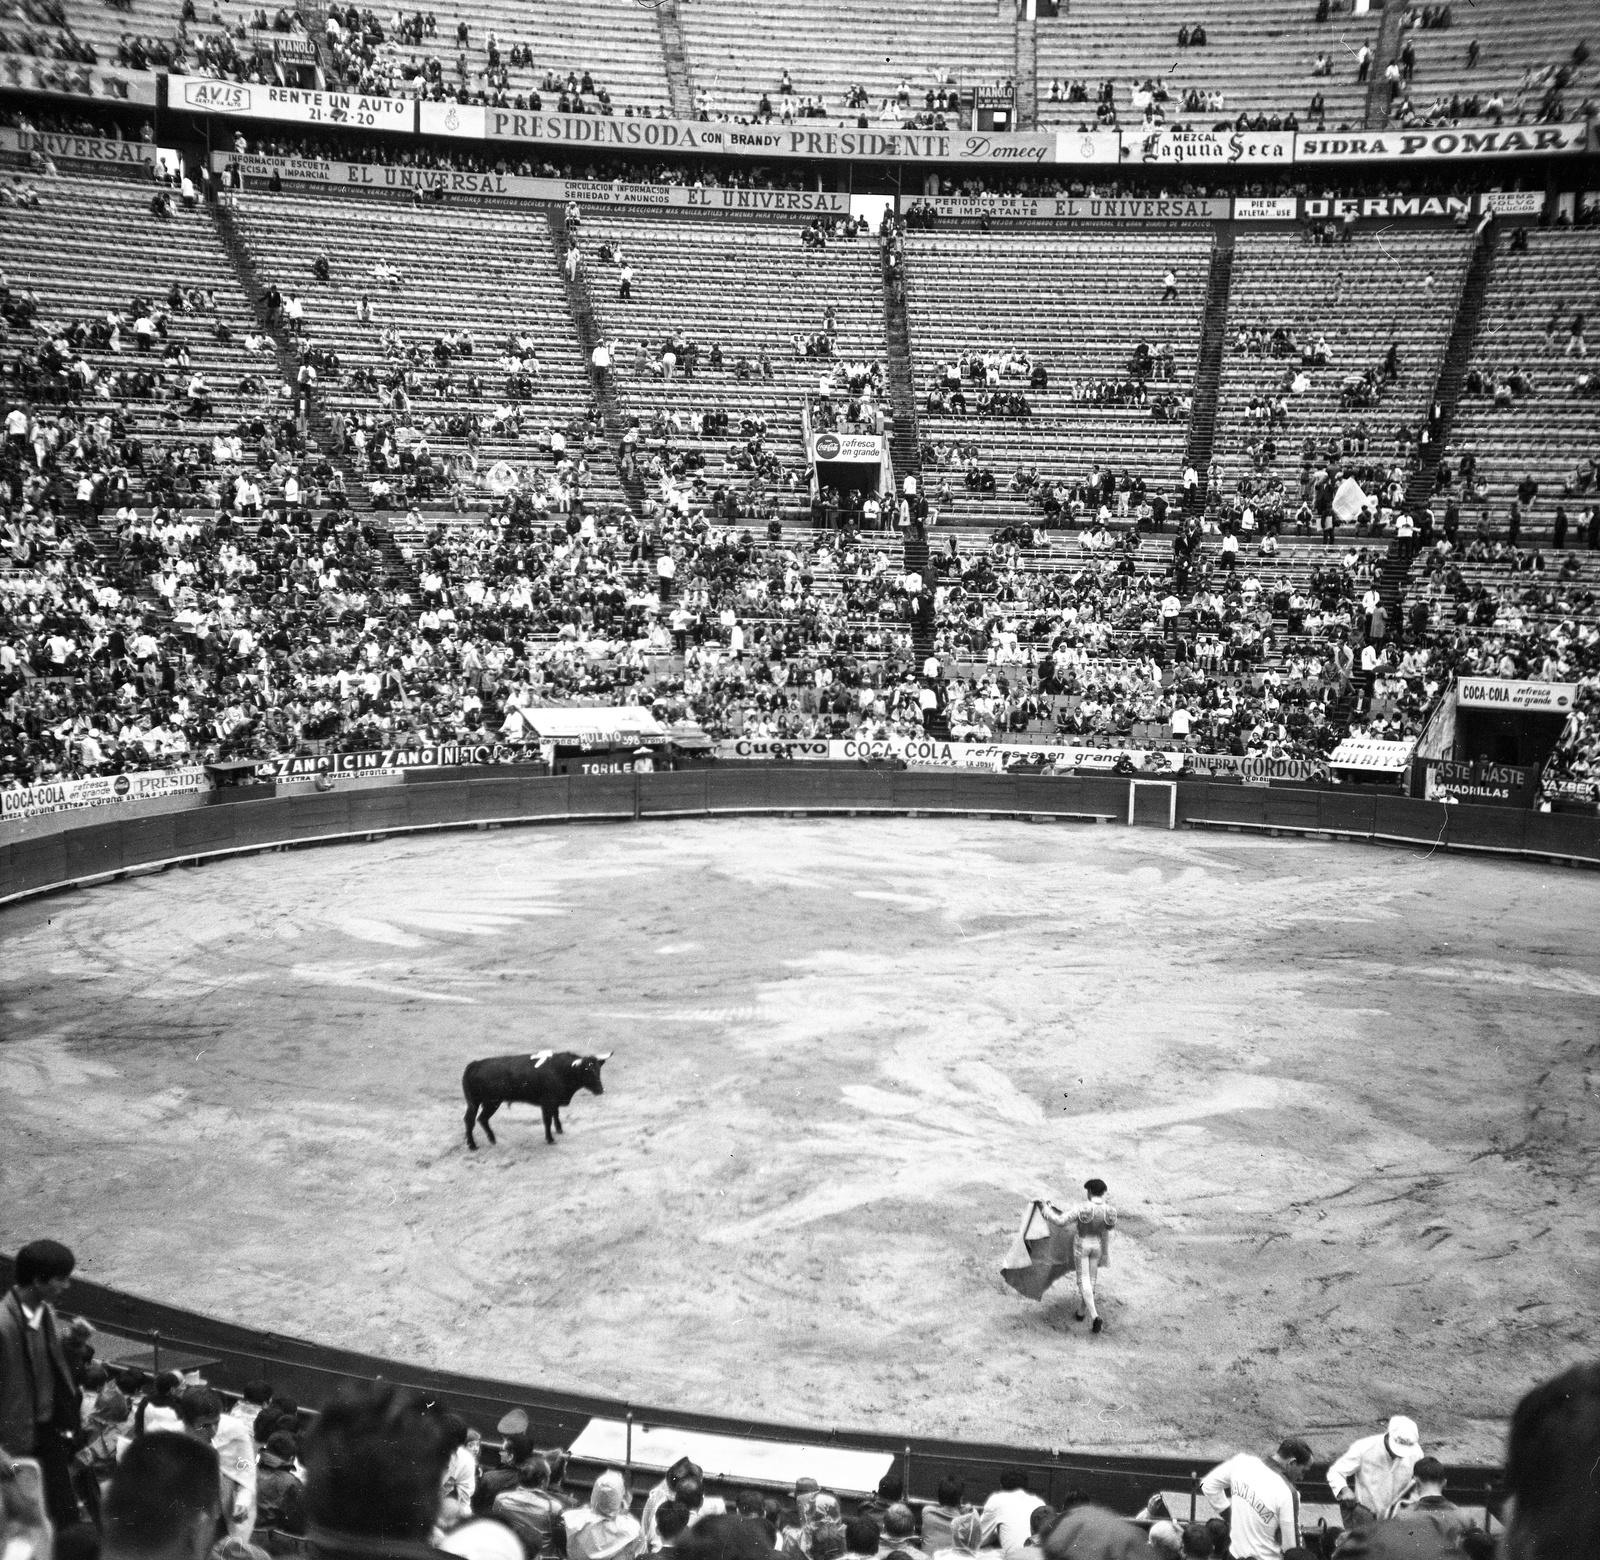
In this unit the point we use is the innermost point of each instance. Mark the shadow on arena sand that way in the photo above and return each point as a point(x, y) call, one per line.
point(1343, 1097)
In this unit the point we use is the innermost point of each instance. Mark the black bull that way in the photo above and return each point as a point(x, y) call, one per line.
point(548, 1080)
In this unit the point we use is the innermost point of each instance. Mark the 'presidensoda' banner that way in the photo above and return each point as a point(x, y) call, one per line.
point(589, 132)
point(53, 796)
point(513, 187)
point(77, 148)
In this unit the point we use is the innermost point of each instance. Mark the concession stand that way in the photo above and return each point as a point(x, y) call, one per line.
point(598, 740)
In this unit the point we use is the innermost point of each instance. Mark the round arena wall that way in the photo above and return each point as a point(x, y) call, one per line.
point(1309, 1073)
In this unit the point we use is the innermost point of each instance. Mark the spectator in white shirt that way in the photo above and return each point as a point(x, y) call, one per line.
point(1375, 1474)
point(1258, 1499)
point(1007, 1513)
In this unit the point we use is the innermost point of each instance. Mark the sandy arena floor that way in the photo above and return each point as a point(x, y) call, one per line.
point(1345, 1099)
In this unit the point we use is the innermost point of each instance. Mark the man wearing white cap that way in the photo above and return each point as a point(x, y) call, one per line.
point(1375, 1474)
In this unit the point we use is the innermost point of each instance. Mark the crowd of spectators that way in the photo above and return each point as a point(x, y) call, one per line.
point(105, 1462)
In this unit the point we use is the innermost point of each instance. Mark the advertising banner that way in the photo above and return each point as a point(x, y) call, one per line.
point(30, 73)
point(34, 801)
point(855, 448)
point(1494, 785)
point(591, 132)
point(997, 756)
point(1387, 206)
point(1498, 693)
point(1512, 203)
point(1185, 144)
point(1073, 208)
point(1432, 145)
point(465, 120)
point(391, 760)
point(512, 187)
point(1265, 208)
point(77, 148)
point(245, 100)
point(1371, 753)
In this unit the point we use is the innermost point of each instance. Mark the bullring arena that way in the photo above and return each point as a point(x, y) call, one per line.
point(970, 631)
point(1342, 1094)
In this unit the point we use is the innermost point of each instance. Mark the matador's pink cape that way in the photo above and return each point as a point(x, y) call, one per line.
point(1039, 1255)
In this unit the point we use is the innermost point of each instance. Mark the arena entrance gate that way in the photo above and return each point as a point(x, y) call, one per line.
point(1147, 814)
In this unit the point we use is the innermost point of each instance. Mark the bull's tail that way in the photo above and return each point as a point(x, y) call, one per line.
point(468, 1092)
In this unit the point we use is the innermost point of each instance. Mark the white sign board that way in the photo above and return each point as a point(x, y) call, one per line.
point(1499, 693)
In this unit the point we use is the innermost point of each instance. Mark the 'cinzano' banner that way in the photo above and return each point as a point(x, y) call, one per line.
point(77, 148)
point(1072, 208)
point(452, 755)
point(246, 100)
point(1417, 145)
point(1181, 144)
point(507, 186)
point(35, 801)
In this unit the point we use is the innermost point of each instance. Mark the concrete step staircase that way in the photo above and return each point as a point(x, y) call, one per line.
point(1208, 370)
point(602, 385)
point(905, 442)
point(1026, 70)
point(675, 56)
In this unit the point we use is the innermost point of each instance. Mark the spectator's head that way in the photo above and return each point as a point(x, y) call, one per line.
point(1429, 1474)
point(861, 1535)
point(1041, 1520)
point(256, 1393)
point(280, 1451)
point(690, 1492)
point(1551, 1462)
point(164, 1500)
point(43, 1270)
point(1293, 1457)
point(200, 1409)
point(749, 1503)
point(1217, 1532)
point(726, 1538)
point(899, 1522)
point(891, 1487)
point(1401, 1437)
point(1012, 1479)
point(951, 1490)
point(609, 1496)
point(374, 1460)
point(672, 1517)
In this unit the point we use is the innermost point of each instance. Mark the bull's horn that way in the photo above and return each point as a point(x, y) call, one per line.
point(604, 1056)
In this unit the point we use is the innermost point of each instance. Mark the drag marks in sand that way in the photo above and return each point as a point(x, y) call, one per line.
point(847, 1051)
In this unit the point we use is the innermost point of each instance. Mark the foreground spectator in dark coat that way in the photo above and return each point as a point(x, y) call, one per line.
point(165, 1500)
point(374, 1462)
point(39, 1402)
